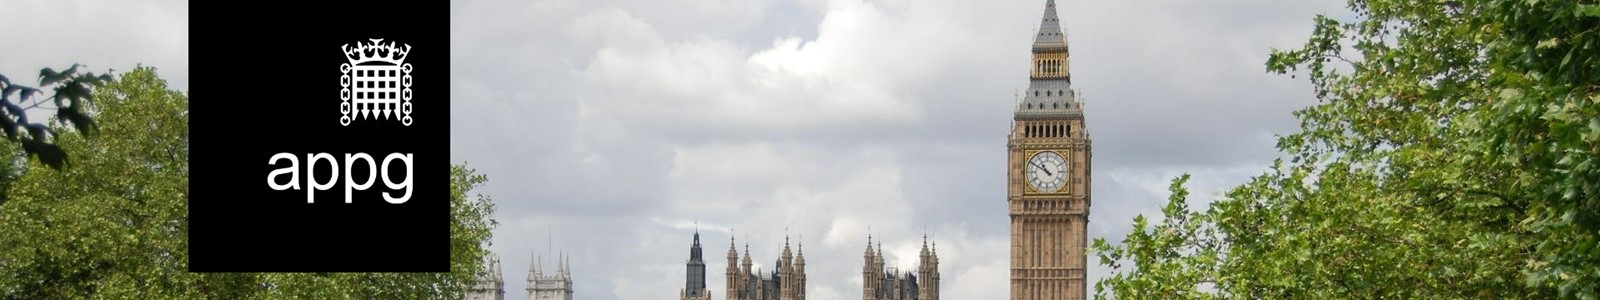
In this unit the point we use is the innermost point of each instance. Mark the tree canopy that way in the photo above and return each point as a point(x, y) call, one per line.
point(115, 224)
point(1454, 153)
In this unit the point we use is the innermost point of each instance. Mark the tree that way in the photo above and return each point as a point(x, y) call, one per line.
point(1454, 154)
point(115, 225)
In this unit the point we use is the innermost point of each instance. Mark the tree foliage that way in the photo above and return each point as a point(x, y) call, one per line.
point(115, 225)
point(1454, 153)
point(73, 102)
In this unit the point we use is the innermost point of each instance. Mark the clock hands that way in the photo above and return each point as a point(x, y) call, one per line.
point(1041, 167)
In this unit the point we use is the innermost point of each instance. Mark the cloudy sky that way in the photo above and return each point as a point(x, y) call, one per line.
point(101, 35)
point(609, 128)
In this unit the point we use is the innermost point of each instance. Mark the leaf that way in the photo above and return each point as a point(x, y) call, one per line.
point(48, 76)
point(15, 111)
point(1546, 44)
point(1588, 10)
point(10, 127)
point(40, 131)
point(78, 119)
point(1594, 128)
point(50, 154)
point(25, 93)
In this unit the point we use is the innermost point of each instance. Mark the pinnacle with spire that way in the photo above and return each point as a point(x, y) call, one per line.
point(533, 269)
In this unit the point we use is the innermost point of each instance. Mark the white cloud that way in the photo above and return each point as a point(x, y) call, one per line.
point(713, 84)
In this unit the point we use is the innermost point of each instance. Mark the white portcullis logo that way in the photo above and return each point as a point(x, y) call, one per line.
point(378, 80)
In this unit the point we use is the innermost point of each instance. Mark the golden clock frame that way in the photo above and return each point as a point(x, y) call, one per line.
point(1066, 186)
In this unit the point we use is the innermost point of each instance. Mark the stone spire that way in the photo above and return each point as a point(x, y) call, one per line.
point(533, 269)
point(786, 253)
point(800, 253)
point(924, 244)
point(746, 262)
point(869, 245)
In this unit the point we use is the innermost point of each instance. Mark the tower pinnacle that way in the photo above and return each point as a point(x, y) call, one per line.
point(1050, 35)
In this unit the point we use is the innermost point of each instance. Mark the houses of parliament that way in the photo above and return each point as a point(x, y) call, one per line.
point(1048, 157)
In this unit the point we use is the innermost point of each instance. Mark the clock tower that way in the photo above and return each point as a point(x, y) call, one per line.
point(1048, 161)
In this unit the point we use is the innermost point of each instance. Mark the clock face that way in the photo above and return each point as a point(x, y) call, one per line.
point(1047, 171)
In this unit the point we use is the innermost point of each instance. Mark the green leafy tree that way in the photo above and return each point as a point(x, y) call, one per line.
point(115, 224)
point(1454, 153)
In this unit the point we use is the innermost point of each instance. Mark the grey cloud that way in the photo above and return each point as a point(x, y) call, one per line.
point(101, 35)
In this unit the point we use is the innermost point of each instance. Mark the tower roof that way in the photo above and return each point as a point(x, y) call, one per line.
point(1050, 35)
point(1049, 97)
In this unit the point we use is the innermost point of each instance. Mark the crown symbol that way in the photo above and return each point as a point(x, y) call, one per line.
point(377, 51)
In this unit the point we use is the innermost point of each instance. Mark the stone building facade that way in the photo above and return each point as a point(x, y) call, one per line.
point(550, 286)
point(490, 285)
point(786, 282)
point(886, 283)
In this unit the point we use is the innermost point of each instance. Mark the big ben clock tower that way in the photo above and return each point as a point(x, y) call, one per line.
point(1048, 159)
